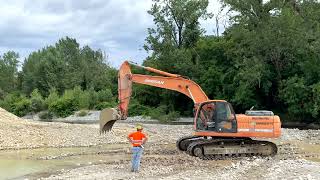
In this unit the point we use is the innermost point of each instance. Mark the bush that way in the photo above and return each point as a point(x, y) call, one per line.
point(37, 102)
point(46, 115)
point(22, 107)
point(16, 103)
point(314, 108)
point(2, 94)
point(72, 100)
point(65, 105)
point(76, 99)
point(137, 109)
point(104, 105)
point(171, 116)
point(295, 93)
point(160, 114)
point(83, 100)
point(93, 98)
point(9, 100)
point(105, 95)
point(53, 97)
point(157, 113)
point(82, 113)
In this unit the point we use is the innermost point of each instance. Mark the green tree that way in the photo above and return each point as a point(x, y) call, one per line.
point(16, 103)
point(8, 72)
point(177, 23)
point(177, 27)
point(172, 43)
point(37, 101)
point(65, 66)
point(274, 47)
point(53, 96)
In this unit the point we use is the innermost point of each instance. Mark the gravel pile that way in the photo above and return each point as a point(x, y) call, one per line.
point(7, 118)
point(36, 135)
point(17, 133)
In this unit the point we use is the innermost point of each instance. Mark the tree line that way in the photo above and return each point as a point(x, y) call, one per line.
point(268, 57)
point(61, 79)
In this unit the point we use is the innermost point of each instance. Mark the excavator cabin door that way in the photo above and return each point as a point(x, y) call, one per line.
point(216, 116)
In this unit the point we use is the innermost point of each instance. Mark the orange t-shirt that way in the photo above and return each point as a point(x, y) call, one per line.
point(137, 138)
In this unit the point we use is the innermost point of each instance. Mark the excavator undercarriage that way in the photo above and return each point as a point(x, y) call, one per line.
point(219, 148)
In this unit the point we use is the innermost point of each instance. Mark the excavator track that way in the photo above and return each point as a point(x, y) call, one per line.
point(183, 143)
point(213, 149)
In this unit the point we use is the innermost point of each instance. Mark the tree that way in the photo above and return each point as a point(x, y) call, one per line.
point(65, 66)
point(275, 48)
point(172, 43)
point(8, 72)
point(37, 101)
point(177, 23)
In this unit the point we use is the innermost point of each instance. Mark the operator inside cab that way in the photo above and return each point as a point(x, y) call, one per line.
point(216, 116)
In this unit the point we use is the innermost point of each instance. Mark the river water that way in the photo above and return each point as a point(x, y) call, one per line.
point(34, 163)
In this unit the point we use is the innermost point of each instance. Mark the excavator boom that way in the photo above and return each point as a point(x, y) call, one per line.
point(167, 81)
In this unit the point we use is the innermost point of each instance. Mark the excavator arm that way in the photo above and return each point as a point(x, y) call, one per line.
point(166, 81)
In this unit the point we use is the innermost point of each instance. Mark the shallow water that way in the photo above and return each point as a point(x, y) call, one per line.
point(29, 163)
point(312, 149)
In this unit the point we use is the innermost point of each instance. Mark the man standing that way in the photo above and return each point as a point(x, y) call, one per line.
point(137, 139)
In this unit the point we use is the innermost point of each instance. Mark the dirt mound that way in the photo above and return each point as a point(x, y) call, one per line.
point(18, 133)
point(6, 117)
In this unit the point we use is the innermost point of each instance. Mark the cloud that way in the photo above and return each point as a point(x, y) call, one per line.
point(118, 27)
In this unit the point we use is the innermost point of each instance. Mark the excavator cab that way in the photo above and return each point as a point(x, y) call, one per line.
point(216, 116)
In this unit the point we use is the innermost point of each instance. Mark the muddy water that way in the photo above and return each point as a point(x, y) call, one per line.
point(310, 151)
point(30, 163)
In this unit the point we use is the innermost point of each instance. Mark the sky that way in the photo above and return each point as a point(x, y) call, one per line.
point(117, 27)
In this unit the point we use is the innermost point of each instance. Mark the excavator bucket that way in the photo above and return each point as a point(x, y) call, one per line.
point(108, 117)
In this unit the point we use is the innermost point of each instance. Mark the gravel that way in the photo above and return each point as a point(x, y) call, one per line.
point(161, 160)
point(184, 167)
point(17, 133)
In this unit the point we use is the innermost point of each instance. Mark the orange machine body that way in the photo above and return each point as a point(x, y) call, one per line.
point(246, 125)
point(250, 126)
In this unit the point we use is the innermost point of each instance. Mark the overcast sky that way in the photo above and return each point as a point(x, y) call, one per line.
point(118, 27)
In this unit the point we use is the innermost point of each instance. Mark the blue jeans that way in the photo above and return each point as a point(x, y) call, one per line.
point(136, 157)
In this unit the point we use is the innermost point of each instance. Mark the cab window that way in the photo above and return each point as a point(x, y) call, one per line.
point(216, 116)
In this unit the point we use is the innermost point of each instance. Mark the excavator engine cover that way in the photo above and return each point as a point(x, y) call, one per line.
point(108, 117)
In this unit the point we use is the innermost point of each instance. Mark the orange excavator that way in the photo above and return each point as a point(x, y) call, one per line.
point(218, 131)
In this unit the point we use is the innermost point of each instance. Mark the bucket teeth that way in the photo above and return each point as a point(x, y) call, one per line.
point(108, 117)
